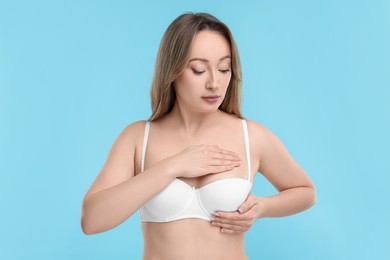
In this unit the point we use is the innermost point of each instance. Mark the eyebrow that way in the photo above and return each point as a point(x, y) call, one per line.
point(206, 60)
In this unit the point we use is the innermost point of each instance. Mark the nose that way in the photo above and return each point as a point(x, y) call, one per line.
point(213, 81)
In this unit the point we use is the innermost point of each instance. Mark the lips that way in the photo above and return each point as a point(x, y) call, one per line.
point(211, 99)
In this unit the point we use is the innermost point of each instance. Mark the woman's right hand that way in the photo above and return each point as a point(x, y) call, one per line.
point(199, 160)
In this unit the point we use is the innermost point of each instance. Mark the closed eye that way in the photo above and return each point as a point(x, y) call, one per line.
point(198, 72)
point(225, 71)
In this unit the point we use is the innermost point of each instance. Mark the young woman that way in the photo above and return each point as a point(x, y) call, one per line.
point(189, 169)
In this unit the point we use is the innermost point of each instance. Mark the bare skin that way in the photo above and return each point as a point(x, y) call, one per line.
point(199, 144)
point(195, 237)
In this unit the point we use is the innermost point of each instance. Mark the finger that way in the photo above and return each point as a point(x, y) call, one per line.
point(223, 156)
point(215, 158)
point(219, 169)
point(242, 225)
point(229, 227)
point(240, 222)
point(245, 219)
point(216, 151)
point(244, 222)
point(250, 214)
point(248, 204)
point(232, 216)
point(219, 162)
point(237, 225)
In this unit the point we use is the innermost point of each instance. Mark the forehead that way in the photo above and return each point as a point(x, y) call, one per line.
point(209, 45)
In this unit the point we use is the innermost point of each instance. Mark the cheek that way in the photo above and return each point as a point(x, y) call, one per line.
point(186, 85)
point(226, 80)
point(192, 82)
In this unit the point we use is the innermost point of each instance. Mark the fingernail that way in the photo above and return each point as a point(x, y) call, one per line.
point(216, 214)
point(240, 209)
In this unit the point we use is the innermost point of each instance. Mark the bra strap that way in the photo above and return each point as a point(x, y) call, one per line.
point(146, 136)
point(248, 155)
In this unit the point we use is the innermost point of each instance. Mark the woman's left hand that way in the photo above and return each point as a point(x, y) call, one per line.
point(241, 220)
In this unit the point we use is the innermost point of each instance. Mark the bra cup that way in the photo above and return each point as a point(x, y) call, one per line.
point(224, 195)
point(170, 201)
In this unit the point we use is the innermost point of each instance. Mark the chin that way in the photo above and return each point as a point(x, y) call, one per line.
point(210, 109)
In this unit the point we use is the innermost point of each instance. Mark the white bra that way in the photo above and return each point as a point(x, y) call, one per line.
point(179, 200)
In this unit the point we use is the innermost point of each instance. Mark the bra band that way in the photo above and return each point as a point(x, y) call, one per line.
point(246, 138)
point(146, 136)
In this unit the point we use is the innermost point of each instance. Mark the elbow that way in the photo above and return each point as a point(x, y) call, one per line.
point(313, 195)
point(87, 229)
point(91, 225)
point(87, 224)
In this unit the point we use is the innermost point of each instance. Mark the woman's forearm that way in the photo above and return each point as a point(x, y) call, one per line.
point(287, 202)
point(108, 208)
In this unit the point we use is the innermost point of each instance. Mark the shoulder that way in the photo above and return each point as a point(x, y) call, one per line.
point(261, 136)
point(267, 144)
point(258, 131)
point(135, 127)
point(133, 132)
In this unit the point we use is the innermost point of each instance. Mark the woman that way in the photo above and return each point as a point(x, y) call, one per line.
point(189, 169)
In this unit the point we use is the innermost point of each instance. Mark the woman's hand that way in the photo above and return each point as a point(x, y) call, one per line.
point(200, 160)
point(241, 220)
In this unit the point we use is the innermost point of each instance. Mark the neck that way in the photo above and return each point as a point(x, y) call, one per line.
point(191, 122)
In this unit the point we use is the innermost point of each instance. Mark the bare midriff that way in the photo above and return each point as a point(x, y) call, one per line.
point(190, 239)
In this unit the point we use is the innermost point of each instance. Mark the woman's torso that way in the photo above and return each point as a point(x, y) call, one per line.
point(193, 238)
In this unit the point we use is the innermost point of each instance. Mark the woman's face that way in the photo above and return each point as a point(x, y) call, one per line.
point(202, 85)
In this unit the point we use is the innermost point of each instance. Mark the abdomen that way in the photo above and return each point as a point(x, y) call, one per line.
point(189, 239)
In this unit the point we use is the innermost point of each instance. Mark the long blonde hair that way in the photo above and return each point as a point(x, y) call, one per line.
point(173, 56)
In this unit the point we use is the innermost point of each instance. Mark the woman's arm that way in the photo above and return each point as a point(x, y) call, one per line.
point(117, 193)
point(296, 190)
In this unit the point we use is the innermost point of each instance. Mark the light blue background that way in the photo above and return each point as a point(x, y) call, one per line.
point(73, 74)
